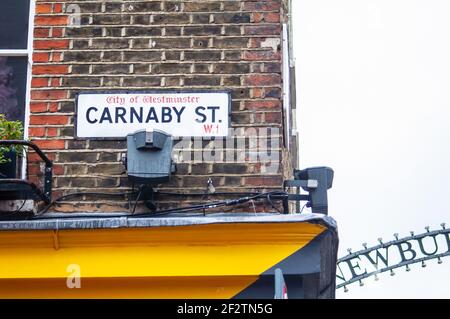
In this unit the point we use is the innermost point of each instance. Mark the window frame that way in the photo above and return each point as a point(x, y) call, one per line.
point(28, 52)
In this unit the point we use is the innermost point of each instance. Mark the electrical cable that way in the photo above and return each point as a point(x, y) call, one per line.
point(141, 189)
point(20, 208)
point(301, 210)
point(198, 207)
point(174, 210)
point(202, 194)
point(15, 212)
point(211, 205)
point(272, 204)
point(45, 209)
point(129, 201)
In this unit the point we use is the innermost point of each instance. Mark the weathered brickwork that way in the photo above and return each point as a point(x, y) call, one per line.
point(139, 45)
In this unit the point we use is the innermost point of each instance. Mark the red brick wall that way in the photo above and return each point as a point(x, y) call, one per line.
point(156, 45)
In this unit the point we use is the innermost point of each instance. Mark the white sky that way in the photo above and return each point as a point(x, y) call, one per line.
point(374, 104)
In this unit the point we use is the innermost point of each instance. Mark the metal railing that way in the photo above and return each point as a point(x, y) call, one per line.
point(48, 171)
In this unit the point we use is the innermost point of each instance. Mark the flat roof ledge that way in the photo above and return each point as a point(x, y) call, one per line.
point(58, 221)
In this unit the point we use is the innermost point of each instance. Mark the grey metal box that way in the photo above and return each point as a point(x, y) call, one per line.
point(149, 156)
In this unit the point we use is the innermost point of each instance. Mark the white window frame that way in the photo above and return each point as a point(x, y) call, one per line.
point(28, 52)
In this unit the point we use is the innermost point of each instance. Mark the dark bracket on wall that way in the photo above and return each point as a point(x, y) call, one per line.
point(15, 188)
point(316, 181)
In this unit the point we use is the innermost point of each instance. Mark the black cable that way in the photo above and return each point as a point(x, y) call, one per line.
point(79, 215)
point(202, 194)
point(164, 212)
point(272, 204)
point(141, 189)
point(20, 208)
point(45, 209)
point(301, 210)
point(15, 212)
point(210, 206)
point(185, 209)
point(129, 201)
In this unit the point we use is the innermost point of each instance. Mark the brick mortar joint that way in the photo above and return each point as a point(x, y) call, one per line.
point(51, 63)
point(160, 12)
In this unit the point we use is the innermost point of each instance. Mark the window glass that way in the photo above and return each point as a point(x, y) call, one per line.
point(13, 81)
point(14, 24)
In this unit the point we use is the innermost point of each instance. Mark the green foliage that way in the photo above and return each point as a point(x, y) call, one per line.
point(10, 130)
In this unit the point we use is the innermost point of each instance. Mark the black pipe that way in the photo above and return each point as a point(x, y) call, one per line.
point(47, 161)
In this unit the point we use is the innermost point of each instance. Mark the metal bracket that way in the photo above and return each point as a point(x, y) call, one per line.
point(48, 182)
point(297, 184)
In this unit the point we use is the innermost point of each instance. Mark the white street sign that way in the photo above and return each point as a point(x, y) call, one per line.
point(109, 115)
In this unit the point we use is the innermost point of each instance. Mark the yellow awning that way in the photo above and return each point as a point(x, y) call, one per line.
point(196, 261)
